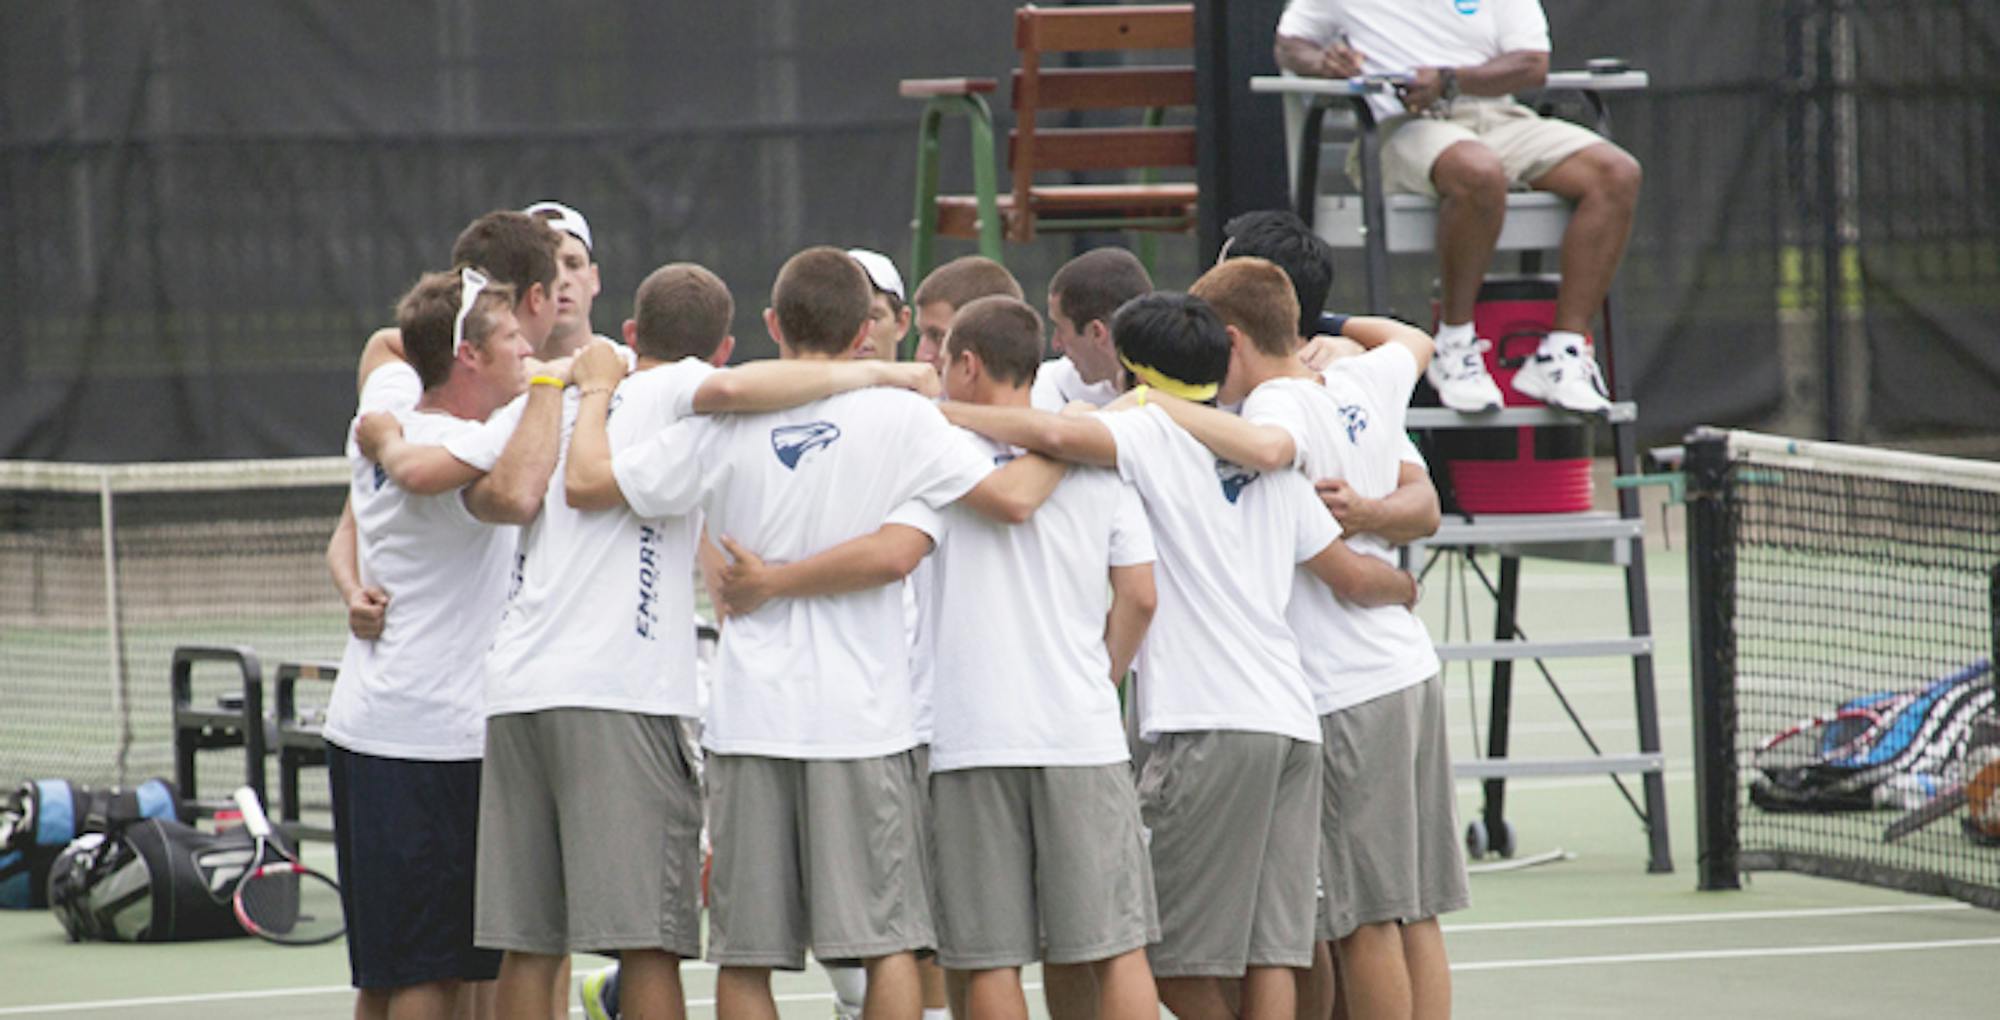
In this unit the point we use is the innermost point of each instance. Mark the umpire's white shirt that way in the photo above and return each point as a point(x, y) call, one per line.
point(1219, 655)
point(416, 692)
point(602, 608)
point(824, 677)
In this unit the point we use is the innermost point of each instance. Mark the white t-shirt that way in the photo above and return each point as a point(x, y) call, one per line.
point(599, 617)
point(1219, 655)
point(824, 677)
point(1399, 36)
point(417, 691)
point(1350, 427)
point(1014, 619)
point(1057, 383)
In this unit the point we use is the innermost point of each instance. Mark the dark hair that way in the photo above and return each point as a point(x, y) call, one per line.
point(1254, 296)
point(427, 314)
point(1006, 334)
point(821, 297)
point(512, 248)
point(682, 311)
point(1094, 284)
point(1283, 238)
point(1177, 334)
point(964, 280)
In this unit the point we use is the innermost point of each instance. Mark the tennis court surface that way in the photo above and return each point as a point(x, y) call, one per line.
point(1593, 935)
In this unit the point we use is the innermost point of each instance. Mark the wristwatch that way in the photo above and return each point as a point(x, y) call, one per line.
point(1447, 84)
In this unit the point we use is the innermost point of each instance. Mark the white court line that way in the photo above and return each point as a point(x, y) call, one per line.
point(1722, 954)
point(1735, 915)
point(170, 1000)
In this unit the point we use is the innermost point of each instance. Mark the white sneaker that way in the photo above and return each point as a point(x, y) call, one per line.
point(1567, 379)
point(1458, 374)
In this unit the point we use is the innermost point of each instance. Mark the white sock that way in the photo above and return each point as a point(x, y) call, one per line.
point(937, 1014)
point(850, 988)
point(1558, 339)
point(1459, 335)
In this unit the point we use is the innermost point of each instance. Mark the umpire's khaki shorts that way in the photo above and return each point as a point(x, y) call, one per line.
point(1234, 818)
point(1528, 144)
point(1389, 846)
point(826, 855)
point(589, 835)
point(1027, 854)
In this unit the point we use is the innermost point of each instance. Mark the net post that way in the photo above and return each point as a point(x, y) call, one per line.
point(114, 631)
point(1711, 633)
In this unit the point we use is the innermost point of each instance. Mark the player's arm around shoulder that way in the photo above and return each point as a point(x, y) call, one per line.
point(778, 385)
point(1259, 447)
point(588, 480)
point(1372, 332)
point(419, 468)
point(1361, 579)
point(383, 347)
point(1077, 438)
point(512, 492)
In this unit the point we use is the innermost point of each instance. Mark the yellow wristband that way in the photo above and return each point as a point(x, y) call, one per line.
point(1141, 391)
point(546, 380)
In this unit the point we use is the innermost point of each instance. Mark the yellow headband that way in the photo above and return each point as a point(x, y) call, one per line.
point(1168, 384)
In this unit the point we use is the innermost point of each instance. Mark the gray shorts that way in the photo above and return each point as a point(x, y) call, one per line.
point(1235, 843)
point(1029, 857)
point(589, 835)
point(827, 855)
point(1389, 843)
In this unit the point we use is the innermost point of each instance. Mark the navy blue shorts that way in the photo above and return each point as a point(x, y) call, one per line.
point(406, 834)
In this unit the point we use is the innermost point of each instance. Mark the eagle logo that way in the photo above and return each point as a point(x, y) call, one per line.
point(793, 442)
point(1355, 419)
point(1234, 477)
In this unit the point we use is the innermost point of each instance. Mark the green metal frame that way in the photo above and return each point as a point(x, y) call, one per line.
point(923, 243)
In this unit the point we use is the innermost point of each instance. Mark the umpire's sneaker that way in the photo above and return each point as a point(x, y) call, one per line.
point(599, 992)
point(1458, 374)
point(1565, 378)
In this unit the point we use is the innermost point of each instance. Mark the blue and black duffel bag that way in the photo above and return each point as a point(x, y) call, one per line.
point(42, 816)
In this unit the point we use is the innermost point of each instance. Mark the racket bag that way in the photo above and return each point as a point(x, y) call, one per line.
point(41, 816)
point(152, 880)
point(1923, 734)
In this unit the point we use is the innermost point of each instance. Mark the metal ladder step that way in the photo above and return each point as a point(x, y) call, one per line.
point(1507, 768)
point(1513, 417)
point(1534, 529)
point(1587, 648)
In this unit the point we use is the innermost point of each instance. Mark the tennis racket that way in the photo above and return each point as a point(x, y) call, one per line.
point(1939, 806)
point(280, 900)
point(1820, 740)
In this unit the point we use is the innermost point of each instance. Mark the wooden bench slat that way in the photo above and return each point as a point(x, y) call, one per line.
point(1106, 148)
point(1110, 27)
point(1110, 88)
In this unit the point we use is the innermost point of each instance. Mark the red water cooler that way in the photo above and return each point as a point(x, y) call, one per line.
point(1525, 470)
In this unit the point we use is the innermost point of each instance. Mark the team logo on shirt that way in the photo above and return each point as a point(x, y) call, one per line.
point(381, 477)
point(1234, 477)
point(793, 442)
point(1355, 419)
point(1467, 7)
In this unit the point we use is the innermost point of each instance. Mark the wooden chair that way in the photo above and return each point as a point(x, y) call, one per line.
point(1028, 208)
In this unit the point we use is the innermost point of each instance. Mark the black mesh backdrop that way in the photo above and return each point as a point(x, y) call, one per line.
point(205, 208)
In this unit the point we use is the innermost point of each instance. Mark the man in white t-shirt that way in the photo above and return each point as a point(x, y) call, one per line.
point(1231, 789)
point(506, 247)
point(1034, 817)
point(577, 279)
point(949, 288)
point(814, 810)
point(1082, 296)
point(405, 724)
point(1457, 135)
point(1390, 864)
point(593, 664)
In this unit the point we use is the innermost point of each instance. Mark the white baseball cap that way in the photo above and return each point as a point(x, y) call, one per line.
point(565, 219)
point(881, 272)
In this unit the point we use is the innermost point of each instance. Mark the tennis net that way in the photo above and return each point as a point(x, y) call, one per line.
point(1843, 625)
point(105, 569)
